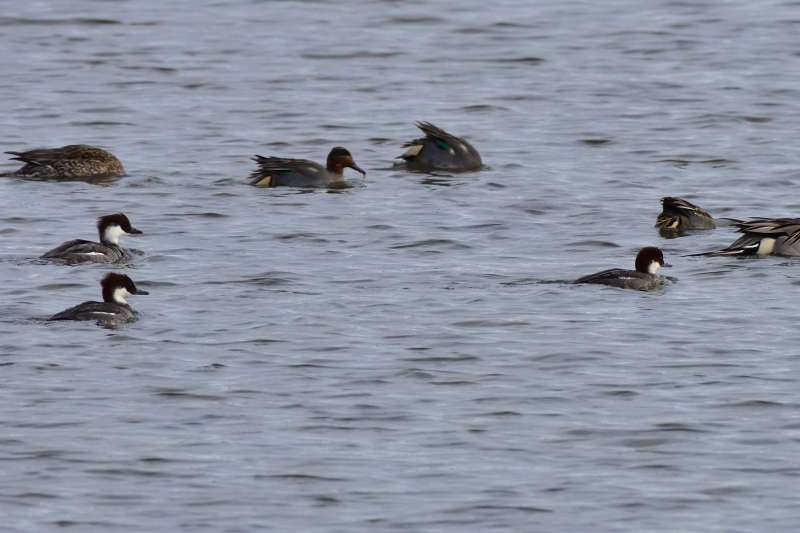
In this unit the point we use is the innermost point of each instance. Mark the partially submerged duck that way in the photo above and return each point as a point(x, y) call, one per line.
point(441, 151)
point(283, 172)
point(108, 250)
point(73, 161)
point(113, 310)
point(680, 214)
point(644, 278)
point(764, 236)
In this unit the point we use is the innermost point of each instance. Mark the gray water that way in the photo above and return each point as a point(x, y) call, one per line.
point(402, 354)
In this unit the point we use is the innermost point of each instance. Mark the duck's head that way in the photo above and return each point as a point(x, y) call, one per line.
point(112, 227)
point(649, 259)
point(339, 158)
point(117, 286)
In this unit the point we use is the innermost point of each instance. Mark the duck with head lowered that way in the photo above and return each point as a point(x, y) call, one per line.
point(284, 172)
point(677, 213)
point(764, 236)
point(439, 150)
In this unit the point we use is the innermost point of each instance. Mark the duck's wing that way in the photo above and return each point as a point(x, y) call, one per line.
point(755, 231)
point(680, 205)
point(48, 156)
point(436, 135)
point(88, 311)
point(744, 245)
point(270, 167)
point(68, 161)
point(452, 151)
point(610, 274)
point(80, 250)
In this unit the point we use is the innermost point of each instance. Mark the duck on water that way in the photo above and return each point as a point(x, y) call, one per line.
point(284, 172)
point(73, 161)
point(644, 278)
point(108, 250)
point(113, 310)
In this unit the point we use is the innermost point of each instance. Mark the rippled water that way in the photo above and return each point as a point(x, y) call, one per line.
point(401, 354)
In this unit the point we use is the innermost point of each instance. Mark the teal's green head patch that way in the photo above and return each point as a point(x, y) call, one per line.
point(339, 152)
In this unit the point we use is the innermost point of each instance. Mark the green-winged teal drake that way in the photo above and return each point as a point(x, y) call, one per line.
point(680, 214)
point(73, 161)
point(440, 150)
point(283, 172)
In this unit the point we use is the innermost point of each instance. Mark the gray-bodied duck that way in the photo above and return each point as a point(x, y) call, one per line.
point(440, 150)
point(644, 278)
point(680, 214)
point(108, 250)
point(283, 172)
point(113, 310)
point(764, 236)
point(73, 161)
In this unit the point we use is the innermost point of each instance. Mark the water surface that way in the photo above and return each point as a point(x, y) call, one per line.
point(402, 354)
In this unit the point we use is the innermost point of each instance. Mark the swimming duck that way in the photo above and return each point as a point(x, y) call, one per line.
point(113, 310)
point(644, 278)
point(440, 150)
point(764, 236)
point(73, 161)
point(108, 250)
point(280, 171)
point(680, 214)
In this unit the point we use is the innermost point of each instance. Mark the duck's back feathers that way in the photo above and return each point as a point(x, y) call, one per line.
point(73, 161)
point(79, 251)
point(105, 313)
point(764, 236)
point(622, 278)
point(434, 133)
point(772, 227)
point(282, 171)
point(644, 278)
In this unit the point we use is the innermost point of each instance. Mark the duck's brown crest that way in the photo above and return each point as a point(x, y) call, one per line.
point(113, 281)
point(117, 219)
point(646, 256)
